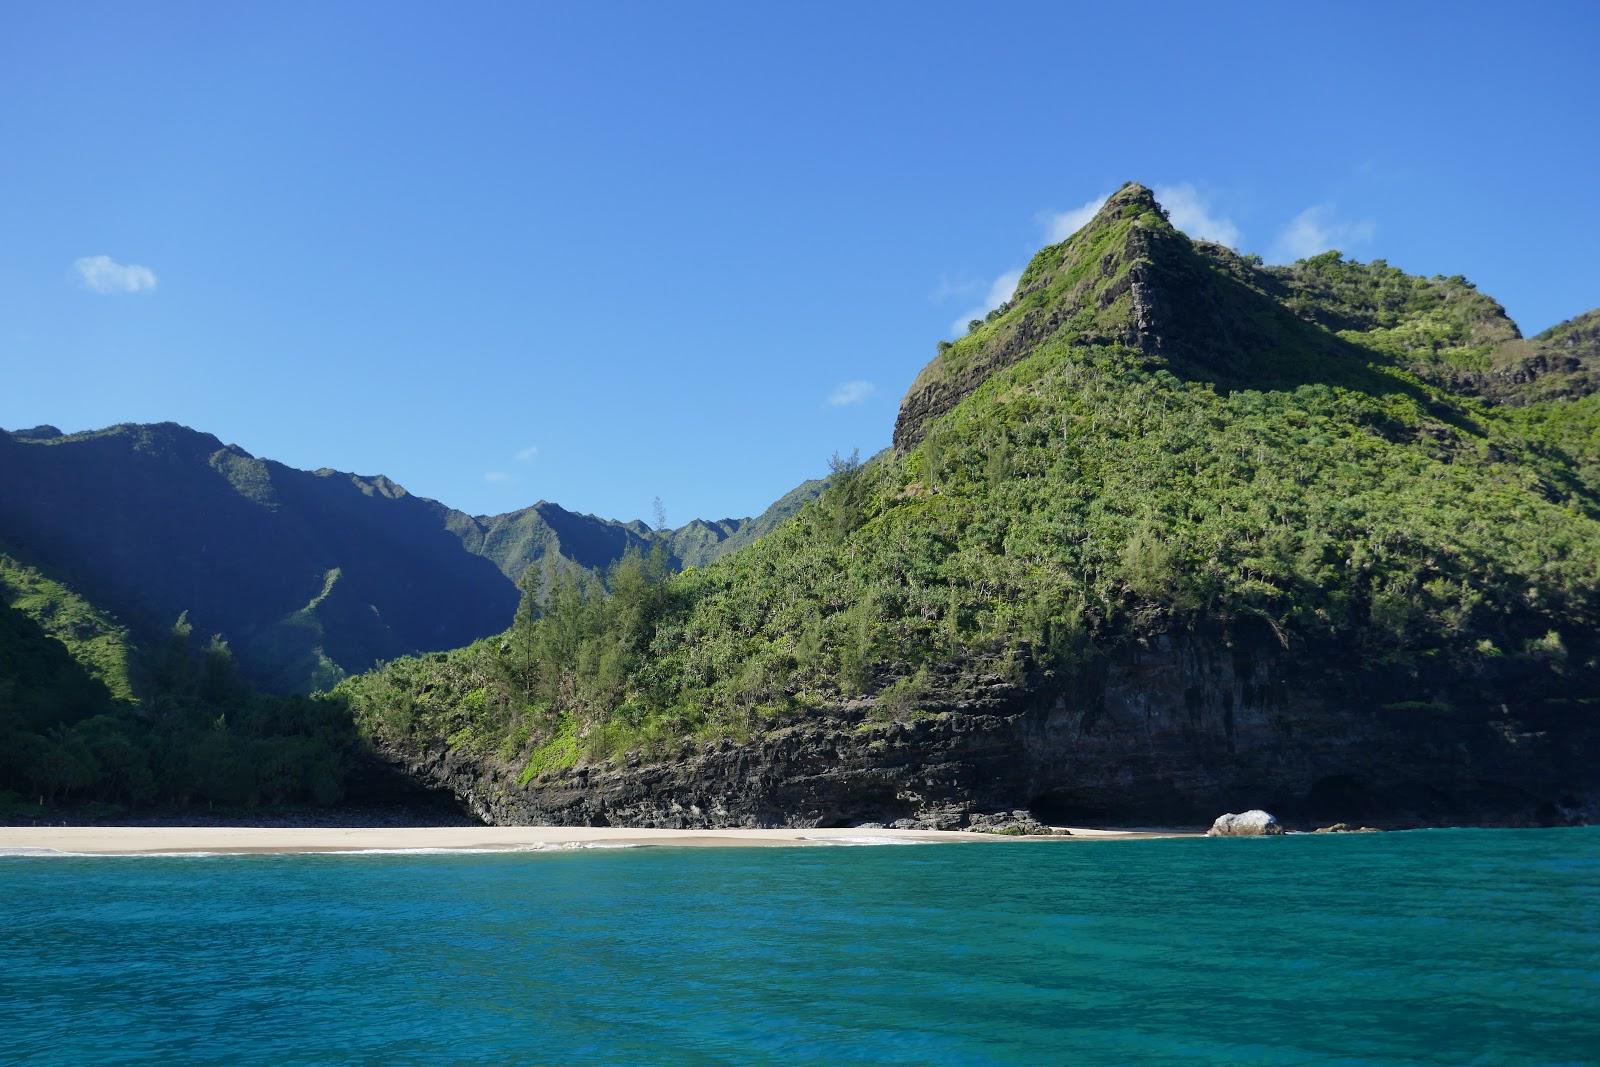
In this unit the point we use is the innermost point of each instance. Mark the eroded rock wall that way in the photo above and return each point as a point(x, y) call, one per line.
point(1168, 733)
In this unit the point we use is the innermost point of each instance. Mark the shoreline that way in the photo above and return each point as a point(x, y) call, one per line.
point(20, 841)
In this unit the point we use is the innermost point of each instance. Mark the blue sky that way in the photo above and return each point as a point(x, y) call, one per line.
point(601, 253)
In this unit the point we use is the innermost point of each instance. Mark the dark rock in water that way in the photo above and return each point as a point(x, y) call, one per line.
point(1346, 828)
point(1252, 823)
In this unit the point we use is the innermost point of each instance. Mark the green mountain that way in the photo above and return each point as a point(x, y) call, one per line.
point(1172, 532)
point(308, 575)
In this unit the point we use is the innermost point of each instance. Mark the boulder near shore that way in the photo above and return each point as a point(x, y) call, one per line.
point(1252, 823)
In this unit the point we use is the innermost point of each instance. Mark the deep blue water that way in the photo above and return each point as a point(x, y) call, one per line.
point(1427, 947)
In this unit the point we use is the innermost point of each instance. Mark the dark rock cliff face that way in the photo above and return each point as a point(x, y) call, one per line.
point(927, 400)
point(1171, 733)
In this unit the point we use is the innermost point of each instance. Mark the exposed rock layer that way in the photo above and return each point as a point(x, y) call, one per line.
point(1167, 734)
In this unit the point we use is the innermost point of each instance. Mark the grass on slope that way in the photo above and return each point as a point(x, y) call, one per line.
point(41, 609)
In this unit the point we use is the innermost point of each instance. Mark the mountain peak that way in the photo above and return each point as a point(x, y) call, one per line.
point(1104, 284)
point(1131, 199)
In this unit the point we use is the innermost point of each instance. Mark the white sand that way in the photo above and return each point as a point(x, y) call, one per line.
point(145, 840)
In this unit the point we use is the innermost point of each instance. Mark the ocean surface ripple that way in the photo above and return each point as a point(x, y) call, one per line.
point(1454, 946)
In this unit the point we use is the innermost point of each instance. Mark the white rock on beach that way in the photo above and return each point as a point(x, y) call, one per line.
point(1252, 823)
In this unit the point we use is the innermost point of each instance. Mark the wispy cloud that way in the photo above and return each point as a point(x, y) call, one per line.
point(1191, 213)
point(1315, 230)
point(102, 274)
point(527, 455)
point(496, 476)
point(1000, 291)
point(949, 288)
point(1060, 226)
point(853, 392)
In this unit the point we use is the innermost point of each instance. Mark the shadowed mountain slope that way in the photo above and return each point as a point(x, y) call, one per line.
point(309, 575)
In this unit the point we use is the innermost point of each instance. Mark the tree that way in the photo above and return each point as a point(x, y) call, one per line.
point(175, 673)
point(842, 499)
point(219, 677)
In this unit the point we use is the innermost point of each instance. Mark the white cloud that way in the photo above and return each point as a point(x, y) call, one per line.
point(851, 393)
point(1190, 212)
point(105, 275)
point(1317, 230)
point(1060, 227)
point(1000, 291)
point(949, 288)
point(527, 455)
point(496, 476)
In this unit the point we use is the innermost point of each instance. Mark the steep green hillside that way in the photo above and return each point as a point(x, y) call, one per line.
point(1152, 438)
point(87, 715)
point(701, 542)
point(61, 658)
point(308, 575)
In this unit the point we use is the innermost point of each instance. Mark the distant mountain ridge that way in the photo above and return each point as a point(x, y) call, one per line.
point(309, 575)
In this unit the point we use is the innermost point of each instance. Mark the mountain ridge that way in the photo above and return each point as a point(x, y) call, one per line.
point(309, 574)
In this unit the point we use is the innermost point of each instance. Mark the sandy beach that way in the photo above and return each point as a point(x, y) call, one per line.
point(239, 840)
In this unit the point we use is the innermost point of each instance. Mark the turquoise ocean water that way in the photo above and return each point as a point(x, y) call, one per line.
point(1455, 946)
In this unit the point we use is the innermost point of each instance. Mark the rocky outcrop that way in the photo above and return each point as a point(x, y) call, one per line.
point(1252, 823)
point(1018, 823)
point(932, 396)
point(1561, 363)
point(1163, 733)
point(949, 379)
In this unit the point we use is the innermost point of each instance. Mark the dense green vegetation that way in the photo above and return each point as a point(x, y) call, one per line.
point(1568, 432)
point(1090, 487)
point(85, 715)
